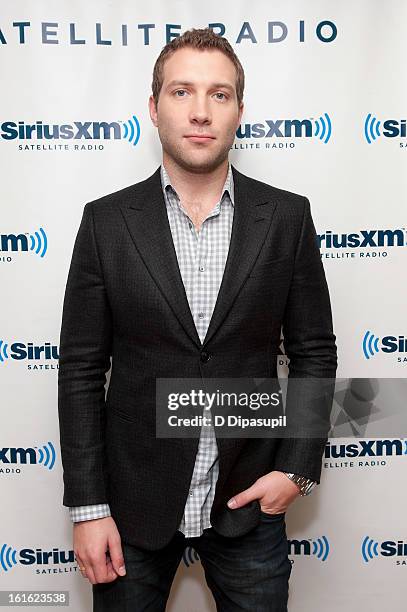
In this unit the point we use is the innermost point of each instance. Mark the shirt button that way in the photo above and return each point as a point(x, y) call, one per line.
point(201, 268)
point(201, 315)
point(191, 493)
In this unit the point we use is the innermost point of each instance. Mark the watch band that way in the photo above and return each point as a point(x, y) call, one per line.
point(306, 485)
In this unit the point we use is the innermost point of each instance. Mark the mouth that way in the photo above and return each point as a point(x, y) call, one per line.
point(200, 137)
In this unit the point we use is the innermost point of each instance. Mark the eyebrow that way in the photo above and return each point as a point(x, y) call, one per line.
point(189, 84)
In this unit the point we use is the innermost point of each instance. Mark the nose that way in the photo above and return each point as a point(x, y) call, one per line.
point(200, 110)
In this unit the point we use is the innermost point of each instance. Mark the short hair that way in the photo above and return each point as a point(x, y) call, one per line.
point(197, 39)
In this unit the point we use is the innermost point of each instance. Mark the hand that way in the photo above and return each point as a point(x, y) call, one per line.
point(274, 491)
point(92, 539)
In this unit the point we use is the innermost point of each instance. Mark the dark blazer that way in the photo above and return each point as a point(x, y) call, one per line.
point(125, 299)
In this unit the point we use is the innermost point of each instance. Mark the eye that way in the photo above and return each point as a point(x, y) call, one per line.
point(219, 93)
point(178, 90)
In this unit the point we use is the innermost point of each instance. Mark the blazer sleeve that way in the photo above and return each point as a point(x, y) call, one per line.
point(84, 359)
point(309, 342)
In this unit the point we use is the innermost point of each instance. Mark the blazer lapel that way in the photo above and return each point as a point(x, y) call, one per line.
point(252, 216)
point(146, 217)
point(145, 214)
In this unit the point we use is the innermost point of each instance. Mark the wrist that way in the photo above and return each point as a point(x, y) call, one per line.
point(305, 485)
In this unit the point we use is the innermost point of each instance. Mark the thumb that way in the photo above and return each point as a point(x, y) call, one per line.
point(116, 556)
point(243, 498)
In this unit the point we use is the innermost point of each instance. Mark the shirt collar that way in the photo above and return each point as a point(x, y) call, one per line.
point(227, 187)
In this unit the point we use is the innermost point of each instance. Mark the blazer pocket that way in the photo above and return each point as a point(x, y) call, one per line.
point(119, 414)
point(267, 266)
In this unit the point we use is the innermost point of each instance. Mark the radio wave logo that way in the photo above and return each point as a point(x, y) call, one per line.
point(3, 351)
point(371, 128)
point(131, 130)
point(47, 455)
point(7, 557)
point(321, 548)
point(370, 344)
point(37, 242)
point(190, 556)
point(369, 549)
point(323, 128)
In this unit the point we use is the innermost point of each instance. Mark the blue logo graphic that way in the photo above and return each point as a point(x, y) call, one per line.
point(131, 130)
point(321, 548)
point(389, 344)
point(369, 549)
point(77, 130)
point(190, 555)
point(323, 128)
point(21, 351)
point(37, 242)
point(320, 128)
point(391, 128)
point(47, 455)
point(29, 556)
point(7, 557)
point(370, 344)
point(33, 455)
point(318, 547)
point(372, 128)
point(3, 351)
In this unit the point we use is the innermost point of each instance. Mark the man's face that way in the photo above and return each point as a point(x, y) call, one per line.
point(198, 97)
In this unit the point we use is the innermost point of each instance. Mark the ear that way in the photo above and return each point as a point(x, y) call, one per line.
point(153, 110)
point(241, 108)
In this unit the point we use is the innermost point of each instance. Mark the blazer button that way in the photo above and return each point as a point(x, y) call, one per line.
point(205, 356)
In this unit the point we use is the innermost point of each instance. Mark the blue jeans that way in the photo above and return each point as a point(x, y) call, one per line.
point(250, 572)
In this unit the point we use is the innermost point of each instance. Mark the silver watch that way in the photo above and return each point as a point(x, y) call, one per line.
point(306, 485)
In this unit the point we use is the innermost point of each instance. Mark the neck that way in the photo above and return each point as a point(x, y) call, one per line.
point(196, 186)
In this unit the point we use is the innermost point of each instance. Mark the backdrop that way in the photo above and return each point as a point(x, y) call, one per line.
point(325, 116)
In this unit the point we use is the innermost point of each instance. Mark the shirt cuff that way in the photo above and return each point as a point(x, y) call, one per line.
point(88, 513)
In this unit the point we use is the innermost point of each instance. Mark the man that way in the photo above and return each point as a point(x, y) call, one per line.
point(190, 273)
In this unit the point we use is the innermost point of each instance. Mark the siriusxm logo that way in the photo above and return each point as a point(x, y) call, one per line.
point(313, 547)
point(35, 242)
point(35, 455)
point(372, 345)
point(376, 238)
point(10, 557)
point(78, 130)
point(390, 128)
point(366, 448)
point(20, 351)
point(388, 548)
point(288, 128)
